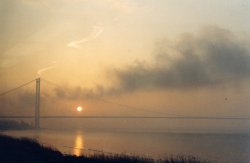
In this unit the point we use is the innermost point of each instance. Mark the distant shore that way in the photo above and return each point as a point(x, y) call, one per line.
point(26, 150)
point(8, 124)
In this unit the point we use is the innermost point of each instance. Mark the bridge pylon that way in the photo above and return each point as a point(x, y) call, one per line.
point(37, 106)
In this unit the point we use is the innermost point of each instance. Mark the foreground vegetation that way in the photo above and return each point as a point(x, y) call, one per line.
point(30, 151)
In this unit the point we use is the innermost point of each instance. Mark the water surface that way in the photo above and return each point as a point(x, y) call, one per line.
point(211, 146)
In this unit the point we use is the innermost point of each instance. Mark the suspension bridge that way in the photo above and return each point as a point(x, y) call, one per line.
point(37, 108)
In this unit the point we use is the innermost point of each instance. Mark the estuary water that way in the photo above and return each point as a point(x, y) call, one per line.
point(220, 147)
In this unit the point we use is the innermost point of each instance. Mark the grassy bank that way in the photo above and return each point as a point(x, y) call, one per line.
point(30, 151)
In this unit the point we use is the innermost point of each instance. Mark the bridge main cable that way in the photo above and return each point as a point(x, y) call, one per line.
point(16, 88)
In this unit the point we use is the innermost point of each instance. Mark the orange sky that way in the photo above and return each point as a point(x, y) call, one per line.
point(180, 58)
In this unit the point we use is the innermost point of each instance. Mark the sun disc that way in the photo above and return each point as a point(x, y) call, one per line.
point(79, 108)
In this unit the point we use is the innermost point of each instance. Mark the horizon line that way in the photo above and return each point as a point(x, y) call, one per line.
point(128, 117)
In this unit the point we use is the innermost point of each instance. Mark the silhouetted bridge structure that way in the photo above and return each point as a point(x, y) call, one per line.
point(37, 115)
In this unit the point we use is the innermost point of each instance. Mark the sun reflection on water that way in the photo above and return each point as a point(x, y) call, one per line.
point(79, 144)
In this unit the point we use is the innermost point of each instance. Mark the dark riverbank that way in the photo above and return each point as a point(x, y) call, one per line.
point(14, 125)
point(26, 150)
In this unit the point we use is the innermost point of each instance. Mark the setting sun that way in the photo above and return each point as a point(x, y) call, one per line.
point(79, 108)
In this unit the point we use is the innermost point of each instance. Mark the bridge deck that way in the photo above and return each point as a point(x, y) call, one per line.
point(127, 117)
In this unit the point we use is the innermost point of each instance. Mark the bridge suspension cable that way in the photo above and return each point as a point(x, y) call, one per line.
point(16, 88)
point(121, 105)
point(124, 106)
point(50, 82)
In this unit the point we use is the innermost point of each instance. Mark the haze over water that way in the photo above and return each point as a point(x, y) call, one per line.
point(220, 147)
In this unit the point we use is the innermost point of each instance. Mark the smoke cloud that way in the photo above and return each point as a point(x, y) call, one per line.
point(213, 57)
point(79, 92)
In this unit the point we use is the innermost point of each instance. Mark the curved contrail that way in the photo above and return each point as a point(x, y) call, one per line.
point(97, 31)
point(40, 71)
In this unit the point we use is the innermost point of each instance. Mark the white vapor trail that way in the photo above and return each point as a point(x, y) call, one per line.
point(97, 31)
point(39, 72)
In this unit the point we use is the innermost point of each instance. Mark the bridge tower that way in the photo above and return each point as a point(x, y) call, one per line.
point(37, 107)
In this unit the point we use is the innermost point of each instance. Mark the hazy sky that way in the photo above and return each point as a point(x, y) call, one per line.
point(185, 57)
